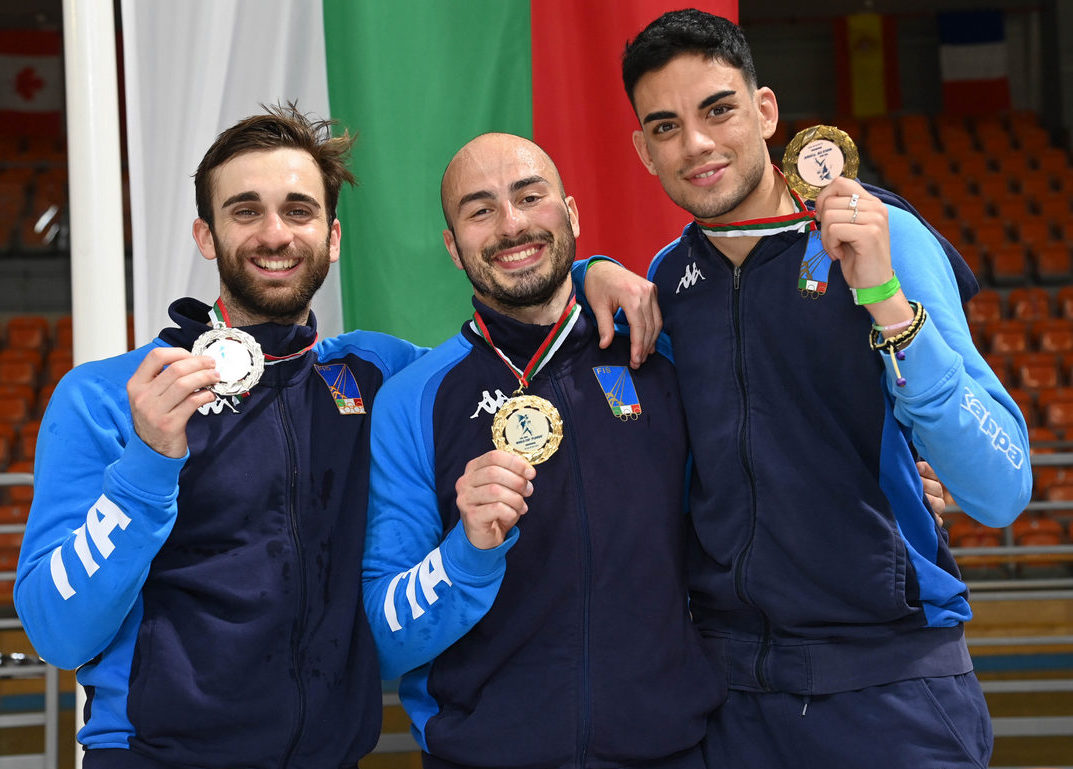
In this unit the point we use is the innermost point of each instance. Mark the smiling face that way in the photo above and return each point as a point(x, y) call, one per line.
point(703, 133)
point(270, 235)
point(510, 227)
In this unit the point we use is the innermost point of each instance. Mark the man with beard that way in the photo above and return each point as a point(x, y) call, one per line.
point(817, 575)
point(524, 557)
point(194, 543)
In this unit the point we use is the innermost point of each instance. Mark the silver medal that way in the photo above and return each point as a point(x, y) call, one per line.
point(238, 357)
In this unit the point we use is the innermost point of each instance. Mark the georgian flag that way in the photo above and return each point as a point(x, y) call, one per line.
point(973, 59)
point(31, 81)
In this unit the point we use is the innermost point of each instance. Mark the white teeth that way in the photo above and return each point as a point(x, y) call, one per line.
point(275, 265)
point(519, 256)
point(704, 175)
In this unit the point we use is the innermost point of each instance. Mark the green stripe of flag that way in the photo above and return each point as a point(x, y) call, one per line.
point(416, 80)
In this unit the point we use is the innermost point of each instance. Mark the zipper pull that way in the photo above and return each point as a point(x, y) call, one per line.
point(737, 276)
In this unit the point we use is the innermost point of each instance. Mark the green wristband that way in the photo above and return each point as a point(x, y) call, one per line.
point(876, 293)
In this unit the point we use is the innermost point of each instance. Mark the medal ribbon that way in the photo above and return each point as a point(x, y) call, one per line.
point(552, 342)
point(218, 316)
point(800, 220)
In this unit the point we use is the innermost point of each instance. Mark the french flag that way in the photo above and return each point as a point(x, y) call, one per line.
point(973, 62)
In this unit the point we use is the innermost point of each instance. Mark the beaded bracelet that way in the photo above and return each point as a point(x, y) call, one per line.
point(899, 342)
point(878, 293)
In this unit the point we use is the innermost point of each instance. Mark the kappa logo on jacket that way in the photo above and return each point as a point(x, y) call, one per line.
point(489, 403)
point(691, 277)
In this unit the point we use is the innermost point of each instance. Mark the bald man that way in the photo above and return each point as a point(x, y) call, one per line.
point(524, 558)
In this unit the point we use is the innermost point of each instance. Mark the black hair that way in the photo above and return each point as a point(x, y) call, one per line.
point(686, 31)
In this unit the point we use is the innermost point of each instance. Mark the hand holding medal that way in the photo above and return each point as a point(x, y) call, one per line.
point(491, 496)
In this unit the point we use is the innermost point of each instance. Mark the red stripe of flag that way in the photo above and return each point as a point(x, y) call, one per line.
point(582, 117)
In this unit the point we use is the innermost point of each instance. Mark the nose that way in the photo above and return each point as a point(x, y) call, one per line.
point(512, 222)
point(697, 141)
point(274, 232)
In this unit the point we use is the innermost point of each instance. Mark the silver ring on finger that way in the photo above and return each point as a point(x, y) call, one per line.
point(853, 218)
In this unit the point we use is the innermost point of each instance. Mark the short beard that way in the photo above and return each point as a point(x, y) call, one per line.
point(532, 289)
point(721, 207)
point(283, 303)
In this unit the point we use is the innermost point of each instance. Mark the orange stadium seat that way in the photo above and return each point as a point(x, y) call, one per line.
point(1038, 530)
point(64, 333)
point(1031, 303)
point(1034, 230)
point(1051, 205)
point(59, 362)
point(1000, 364)
point(973, 257)
point(1008, 262)
point(967, 532)
point(28, 439)
point(19, 495)
point(1064, 300)
point(1053, 335)
point(28, 331)
point(1056, 408)
point(44, 395)
point(985, 307)
point(1053, 263)
point(14, 410)
point(5, 452)
point(1023, 399)
point(14, 513)
point(1041, 439)
point(1007, 337)
point(18, 372)
point(1036, 370)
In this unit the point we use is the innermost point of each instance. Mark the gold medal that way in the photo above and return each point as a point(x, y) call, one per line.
point(816, 157)
point(238, 357)
point(529, 426)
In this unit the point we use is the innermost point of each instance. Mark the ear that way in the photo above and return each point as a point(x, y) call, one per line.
point(203, 237)
point(452, 248)
point(571, 207)
point(641, 146)
point(335, 237)
point(768, 108)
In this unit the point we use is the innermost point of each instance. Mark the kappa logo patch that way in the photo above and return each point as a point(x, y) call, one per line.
point(489, 403)
point(343, 387)
point(618, 388)
point(690, 278)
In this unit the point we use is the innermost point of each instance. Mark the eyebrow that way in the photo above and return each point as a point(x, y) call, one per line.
point(253, 197)
point(521, 184)
point(707, 102)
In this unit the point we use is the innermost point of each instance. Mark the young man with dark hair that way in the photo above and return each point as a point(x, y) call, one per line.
point(194, 544)
point(537, 615)
point(817, 573)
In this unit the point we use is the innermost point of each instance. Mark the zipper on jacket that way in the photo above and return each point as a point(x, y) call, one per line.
point(739, 570)
point(584, 705)
point(300, 575)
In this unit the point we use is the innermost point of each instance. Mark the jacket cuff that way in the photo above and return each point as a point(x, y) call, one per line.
point(480, 564)
point(928, 363)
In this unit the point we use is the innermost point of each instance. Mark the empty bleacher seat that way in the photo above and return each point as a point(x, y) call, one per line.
point(1054, 335)
point(985, 307)
point(1007, 337)
point(1036, 370)
point(1031, 303)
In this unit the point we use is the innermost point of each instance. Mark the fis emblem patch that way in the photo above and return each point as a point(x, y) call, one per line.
point(618, 388)
point(343, 386)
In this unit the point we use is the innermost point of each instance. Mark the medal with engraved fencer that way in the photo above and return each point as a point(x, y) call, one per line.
point(817, 156)
point(239, 359)
point(528, 425)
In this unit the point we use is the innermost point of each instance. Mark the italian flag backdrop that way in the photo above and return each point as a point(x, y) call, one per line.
point(415, 80)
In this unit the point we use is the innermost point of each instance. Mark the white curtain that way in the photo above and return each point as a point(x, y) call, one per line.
point(192, 69)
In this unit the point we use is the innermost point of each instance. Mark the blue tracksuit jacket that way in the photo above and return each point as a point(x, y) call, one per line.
point(212, 602)
point(816, 566)
point(570, 645)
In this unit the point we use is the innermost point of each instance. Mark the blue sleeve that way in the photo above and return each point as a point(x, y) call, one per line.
point(390, 354)
point(577, 273)
point(960, 416)
point(104, 503)
point(424, 588)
